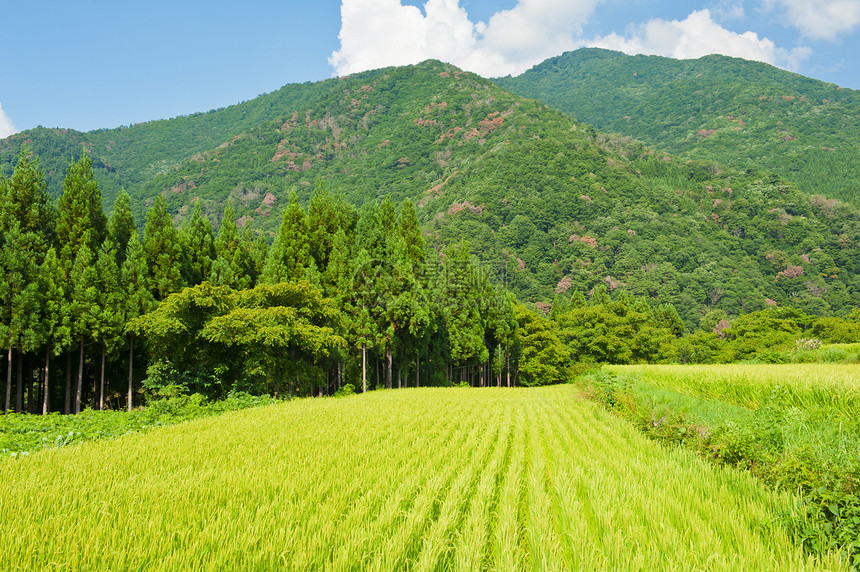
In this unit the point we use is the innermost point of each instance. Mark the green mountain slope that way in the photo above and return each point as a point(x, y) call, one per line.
point(129, 156)
point(741, 113)
point(550, 203)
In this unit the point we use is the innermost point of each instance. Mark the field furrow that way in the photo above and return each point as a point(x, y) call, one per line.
point(424, 479)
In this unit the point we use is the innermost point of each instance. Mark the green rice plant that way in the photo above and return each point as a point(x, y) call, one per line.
point(418, 479)
point(834, 388)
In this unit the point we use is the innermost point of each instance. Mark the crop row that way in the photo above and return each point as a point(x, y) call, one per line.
point(423, 479)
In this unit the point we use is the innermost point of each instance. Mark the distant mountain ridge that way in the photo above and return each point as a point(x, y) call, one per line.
point(556, 205)
point(738, 112)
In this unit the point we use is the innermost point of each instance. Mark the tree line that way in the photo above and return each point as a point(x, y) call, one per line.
point(344, 298)
point(342, 295)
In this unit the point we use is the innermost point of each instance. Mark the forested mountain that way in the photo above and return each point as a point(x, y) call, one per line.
point(128, 156)
point(551, 204)
point(741, 113)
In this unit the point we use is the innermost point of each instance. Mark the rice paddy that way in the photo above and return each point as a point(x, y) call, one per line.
point(420, 479)
point(834, 388)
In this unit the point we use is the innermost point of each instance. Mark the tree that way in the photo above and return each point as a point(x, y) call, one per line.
point(55, 316)
point(233, 264)
point(137, 299)
point(182, 355)
point(81, 220)
point(26, 202)
point(227, 240)
point(21, 299)
point(410, 230)
point(121, 225)
point(163, 250)
point(283, 328)
point(542, 355)
point(459, 299)
point(199, 247)
point(756, 332)
point(109, 325)
point(27, 228)
point(290, 256)
point(323, 224)
point(84, 309)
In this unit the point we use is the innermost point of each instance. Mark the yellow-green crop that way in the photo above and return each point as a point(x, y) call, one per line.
point(810, 386)
point(423, 479)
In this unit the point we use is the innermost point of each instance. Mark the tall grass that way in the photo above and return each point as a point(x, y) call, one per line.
point(422, 479)
point(833, 388)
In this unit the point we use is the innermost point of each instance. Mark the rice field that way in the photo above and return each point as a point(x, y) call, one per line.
point(418, 479)
point(834, 388)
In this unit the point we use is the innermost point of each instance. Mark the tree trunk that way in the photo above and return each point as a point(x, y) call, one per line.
point(339, 374)
point(102, 381)
point(499, 377)
point(68, 402)
point(28, 384)
point(19, 395)
point(388, 365)
point(417, 369)
point(508, 365)
point(8, 380)
point(400, 377)
point(363, 369)
point(47, 389)
point(28, 387)
point(130, 370)
point(80, 380)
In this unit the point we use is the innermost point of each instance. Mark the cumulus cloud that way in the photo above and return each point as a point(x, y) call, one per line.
point(6, 127)
point(696, 36)
point(379, 33)
point(819, 19)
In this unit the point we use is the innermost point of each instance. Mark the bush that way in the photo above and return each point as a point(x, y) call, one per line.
point(345, 391)
point(832, 355)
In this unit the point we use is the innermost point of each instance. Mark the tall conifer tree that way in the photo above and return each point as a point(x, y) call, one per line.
point(110, 319)
point(289, 257)
point(200, 247)
point(121, 225)
point(163, 250)
point(55, 316)
point(137, 299)
point(84, 310)
point(81, 218)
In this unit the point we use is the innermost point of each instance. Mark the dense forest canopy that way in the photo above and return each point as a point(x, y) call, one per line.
point(342, 297)
point(547, 199)
point(741, 113)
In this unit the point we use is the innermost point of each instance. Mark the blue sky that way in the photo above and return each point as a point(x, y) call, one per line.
point(94, 64)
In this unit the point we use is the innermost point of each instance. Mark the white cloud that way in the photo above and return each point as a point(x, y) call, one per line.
point(729, 10)
point(379, 33)
point(696, 36)
point(820, 19)
point(6, 127)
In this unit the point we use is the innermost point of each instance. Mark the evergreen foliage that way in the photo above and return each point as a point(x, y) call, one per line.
point(741, 113)
point(163, 250)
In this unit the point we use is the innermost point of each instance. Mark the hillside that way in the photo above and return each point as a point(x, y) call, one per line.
point(739, 112)
point(551, 203)
point(128, 156)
